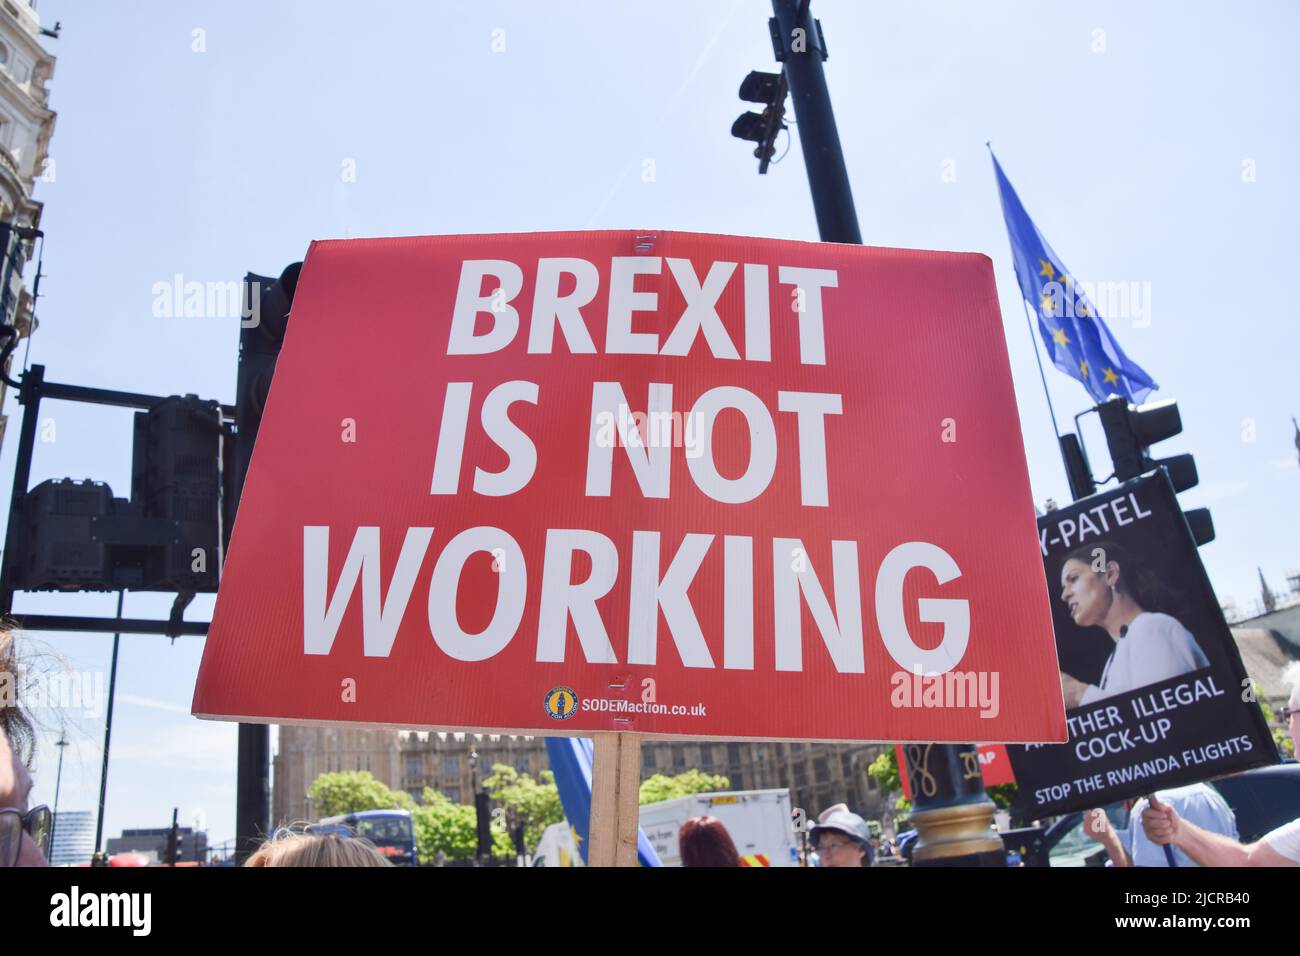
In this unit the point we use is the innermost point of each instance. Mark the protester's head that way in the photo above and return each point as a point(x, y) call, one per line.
point(1094, 574)
point(1291, 673)
point(704, 841)
point(842, 838)
point(14, 723)
point(288, 848)
point(23, 831)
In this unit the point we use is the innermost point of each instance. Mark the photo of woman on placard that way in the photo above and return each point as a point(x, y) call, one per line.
point(1103, 586)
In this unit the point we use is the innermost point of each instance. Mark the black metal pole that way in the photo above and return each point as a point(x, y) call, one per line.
point(171, 838)
point(952, 811)
point(252, 782)
point(29, 396)
point(108, 731)
point(259, 345)
point(802, 50)
point(482, 814)
point(106, 625)
point(253, 761)
point(33, 390)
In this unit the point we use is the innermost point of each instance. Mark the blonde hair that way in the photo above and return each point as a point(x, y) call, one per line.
point(288, 848)
point(14, 722)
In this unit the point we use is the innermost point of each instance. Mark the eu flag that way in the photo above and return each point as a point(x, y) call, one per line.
point(571, 761)
point(1073, 333)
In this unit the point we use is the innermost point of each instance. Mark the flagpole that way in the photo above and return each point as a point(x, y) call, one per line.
point(1033, 341)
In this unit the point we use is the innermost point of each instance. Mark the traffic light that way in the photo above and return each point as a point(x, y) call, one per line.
point(186, 476)
point(1131, 430)
point(1076, 467)
point(267, 304)
point(61, 547)
point(769, 89)
point(75, 536)
point(266, 317)
point(176, 478)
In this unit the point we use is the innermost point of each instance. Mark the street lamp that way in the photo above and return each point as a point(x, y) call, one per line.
point(58, 779)
point(482, 813)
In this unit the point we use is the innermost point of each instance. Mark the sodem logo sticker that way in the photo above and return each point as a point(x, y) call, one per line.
point(561, 703)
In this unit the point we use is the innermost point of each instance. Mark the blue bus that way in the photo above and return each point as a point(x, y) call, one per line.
point(391, 831)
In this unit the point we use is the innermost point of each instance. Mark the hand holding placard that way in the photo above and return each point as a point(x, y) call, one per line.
point(1160, 821)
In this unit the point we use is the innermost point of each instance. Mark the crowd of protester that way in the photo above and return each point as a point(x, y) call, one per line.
point(1184, 826)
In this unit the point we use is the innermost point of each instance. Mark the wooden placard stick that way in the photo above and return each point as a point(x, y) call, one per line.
point(615, 803)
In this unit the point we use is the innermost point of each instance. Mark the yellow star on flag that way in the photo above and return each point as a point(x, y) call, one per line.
point(1110, 377)
point(1083, 367)
point(1047, 304)
point(1047, 269)
point(1060, 338)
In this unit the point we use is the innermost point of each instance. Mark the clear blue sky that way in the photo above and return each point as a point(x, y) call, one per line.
point(210, 164)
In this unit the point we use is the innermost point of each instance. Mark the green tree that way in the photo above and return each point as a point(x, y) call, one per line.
point(353, 791)
point(1285, 745)
point(443, 825)
point(661, 787)
point(535, 805)
point(1281, 736)
point(1004, 795)
point(884, 770)
point(451, 828)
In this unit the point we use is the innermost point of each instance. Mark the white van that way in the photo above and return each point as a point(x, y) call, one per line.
point(758, 820)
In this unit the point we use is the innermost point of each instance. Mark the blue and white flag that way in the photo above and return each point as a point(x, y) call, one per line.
point(1073, 333)
point(571, 760)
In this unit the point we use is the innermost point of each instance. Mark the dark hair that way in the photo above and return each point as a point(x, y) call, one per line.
point(1135, 580)
point(704, 841)
point(13, 722)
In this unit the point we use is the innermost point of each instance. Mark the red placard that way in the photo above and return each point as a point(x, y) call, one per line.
point(674, 485)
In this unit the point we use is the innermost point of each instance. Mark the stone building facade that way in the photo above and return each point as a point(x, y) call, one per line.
point(26, 125)
point(818, 775)
point(401, 760)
